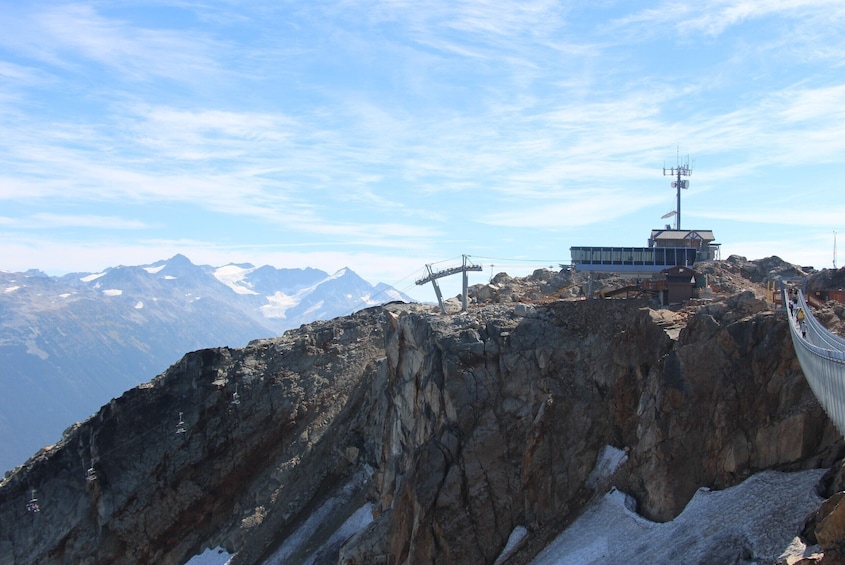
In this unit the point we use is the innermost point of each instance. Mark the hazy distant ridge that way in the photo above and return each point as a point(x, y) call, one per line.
point(68, 344)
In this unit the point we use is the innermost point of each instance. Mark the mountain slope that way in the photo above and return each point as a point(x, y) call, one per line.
point(453, 431)
point(68, 344)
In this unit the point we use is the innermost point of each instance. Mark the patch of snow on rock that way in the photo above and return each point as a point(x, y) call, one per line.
point(154, 270)
point(609, 459)
point(759, 517)
point(11, 288)
point(215, 556)
point(139, 305)
point(359, 520)
point(303, 535)
point(516, 536)
point(112, 292)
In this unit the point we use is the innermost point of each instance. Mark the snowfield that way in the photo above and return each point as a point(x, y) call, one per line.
point(763, 515)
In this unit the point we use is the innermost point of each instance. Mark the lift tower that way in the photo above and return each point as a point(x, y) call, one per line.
point(432, 278)
point(681, 170)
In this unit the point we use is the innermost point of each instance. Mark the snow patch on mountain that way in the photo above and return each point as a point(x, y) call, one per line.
point(278, 304)
point(92, 277)
point(338, 274)
point(234, 276)
point(112, 292)
point(314, 308)
point(153, 270)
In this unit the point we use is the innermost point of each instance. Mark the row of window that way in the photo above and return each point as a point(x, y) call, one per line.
point(665, 256)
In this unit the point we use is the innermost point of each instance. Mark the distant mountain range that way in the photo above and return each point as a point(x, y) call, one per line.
point(69, 344)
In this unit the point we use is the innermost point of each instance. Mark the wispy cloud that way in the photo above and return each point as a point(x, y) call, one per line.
point(714, 17)
point(401, 125)
point(70, 35)
point(48, 221)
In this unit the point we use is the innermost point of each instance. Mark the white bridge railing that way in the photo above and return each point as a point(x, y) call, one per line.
point(822, 357)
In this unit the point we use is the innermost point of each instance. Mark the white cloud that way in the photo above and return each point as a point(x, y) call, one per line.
point(60, 32)
point(407, 129)
point(53, 221)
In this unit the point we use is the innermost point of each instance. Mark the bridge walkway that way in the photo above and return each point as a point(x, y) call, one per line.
point(821, 354)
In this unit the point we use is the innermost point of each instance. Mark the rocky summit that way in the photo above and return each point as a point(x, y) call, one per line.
point(399, 435)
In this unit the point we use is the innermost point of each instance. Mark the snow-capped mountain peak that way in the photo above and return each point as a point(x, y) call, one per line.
point(92, 335)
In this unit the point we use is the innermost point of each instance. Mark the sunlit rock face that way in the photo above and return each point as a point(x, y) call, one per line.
point(268, 429)
point(452, 430)
point(498, 417)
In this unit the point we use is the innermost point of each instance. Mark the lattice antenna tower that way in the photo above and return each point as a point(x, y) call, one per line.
point(681, 169)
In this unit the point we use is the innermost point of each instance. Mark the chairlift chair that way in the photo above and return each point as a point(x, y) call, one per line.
point(180, 425)
point(236, 399)
point(32, 505)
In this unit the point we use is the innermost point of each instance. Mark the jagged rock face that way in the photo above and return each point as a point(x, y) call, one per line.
point(498, 417)
point(472, 424)
point(239, 475)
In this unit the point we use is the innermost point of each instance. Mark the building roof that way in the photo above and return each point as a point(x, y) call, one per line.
point(680, 271)
point(705, 235)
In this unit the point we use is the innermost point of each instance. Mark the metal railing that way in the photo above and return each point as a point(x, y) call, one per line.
point(822, 358)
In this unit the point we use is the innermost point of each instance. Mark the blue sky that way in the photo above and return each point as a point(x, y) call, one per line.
point(385, 136)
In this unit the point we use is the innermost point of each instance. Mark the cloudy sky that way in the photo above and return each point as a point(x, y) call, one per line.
point(385, 136)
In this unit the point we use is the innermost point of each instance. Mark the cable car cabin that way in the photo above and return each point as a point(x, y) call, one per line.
point(631, 259)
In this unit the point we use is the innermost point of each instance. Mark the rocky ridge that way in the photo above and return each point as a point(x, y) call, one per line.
point(456, 430)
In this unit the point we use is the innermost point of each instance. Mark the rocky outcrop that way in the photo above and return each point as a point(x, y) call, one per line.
point(500, 415)
point(463, 427)
point(269, 429)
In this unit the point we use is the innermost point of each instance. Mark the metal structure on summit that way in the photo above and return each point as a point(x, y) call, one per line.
point(433, 276)
point(681, 170)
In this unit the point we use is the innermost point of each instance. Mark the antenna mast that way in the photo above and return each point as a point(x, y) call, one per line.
point(834, 250)
point(680, 170)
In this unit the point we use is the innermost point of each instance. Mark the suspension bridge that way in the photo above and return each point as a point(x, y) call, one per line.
point(822, 358)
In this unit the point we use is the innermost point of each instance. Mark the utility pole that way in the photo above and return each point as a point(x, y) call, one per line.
point(681, 170)
point(433, 276)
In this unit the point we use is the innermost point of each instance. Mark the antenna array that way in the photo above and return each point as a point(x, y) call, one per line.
point(680, 170)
